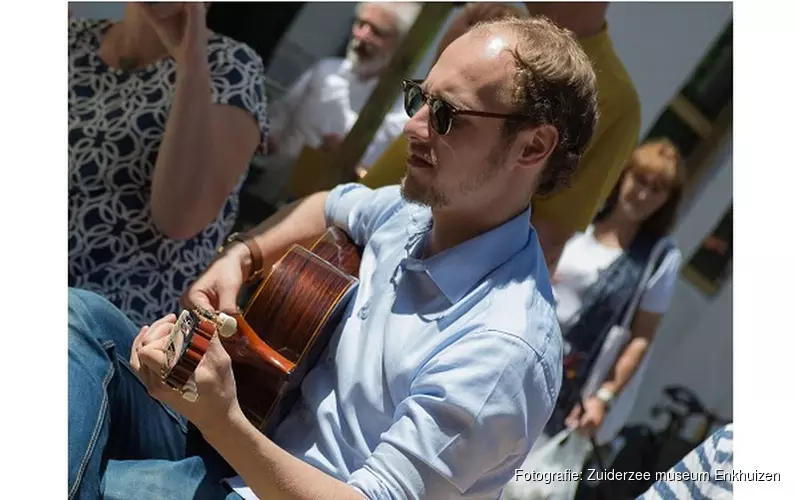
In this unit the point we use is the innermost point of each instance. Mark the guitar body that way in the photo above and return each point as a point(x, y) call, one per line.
point(294, 312)
point(283, 329)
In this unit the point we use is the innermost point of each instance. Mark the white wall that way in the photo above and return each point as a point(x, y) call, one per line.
point(660, 43)
point(317, 31)
point(321, 27)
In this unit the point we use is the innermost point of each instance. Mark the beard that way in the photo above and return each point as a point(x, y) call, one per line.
point(415, 192)
point(363, 62)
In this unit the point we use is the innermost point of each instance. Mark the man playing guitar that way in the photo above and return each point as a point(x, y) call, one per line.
point(448, 360)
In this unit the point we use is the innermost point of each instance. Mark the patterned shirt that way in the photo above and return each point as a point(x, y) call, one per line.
point(116, 124)
point(706, 473)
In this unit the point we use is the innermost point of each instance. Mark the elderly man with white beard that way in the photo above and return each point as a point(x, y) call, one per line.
point(325, 102)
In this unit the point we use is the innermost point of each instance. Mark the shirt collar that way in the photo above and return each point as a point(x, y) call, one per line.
point(456, 270)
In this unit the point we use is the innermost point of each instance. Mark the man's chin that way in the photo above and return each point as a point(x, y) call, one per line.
point(410, 192)
point(419, 195)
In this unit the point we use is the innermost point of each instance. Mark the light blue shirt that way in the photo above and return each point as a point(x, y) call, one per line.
point(446, 369)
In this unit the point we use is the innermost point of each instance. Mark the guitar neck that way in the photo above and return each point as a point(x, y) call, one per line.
point(254, 343)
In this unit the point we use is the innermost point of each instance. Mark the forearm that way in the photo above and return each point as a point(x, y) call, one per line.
point(297, 222)
point(627, 364)
point(270, 471)
point(182, 197)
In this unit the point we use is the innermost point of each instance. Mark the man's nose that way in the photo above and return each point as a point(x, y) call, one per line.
point(362, 32)
point(418, 127)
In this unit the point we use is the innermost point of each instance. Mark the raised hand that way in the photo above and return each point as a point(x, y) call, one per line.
point(181, 28)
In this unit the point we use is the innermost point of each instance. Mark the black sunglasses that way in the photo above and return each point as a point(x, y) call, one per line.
point(441, 113)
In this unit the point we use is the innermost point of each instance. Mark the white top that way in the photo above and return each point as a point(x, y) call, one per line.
point(327, 100)
point(584, 257)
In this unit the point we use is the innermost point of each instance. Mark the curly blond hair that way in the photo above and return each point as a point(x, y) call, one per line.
point(555, 85)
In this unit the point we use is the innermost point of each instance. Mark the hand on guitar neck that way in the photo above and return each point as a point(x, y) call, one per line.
point(213, 377)
point(179, 358)
point(281, 332)
point(309, 276)
point(310, 272)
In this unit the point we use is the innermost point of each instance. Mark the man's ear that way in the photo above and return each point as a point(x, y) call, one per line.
point(537, 144)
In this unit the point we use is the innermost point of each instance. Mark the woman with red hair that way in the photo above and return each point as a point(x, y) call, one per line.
point(620, 272)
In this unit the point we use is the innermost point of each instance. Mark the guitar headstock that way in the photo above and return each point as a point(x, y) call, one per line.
point(182, 330)
point(226, 325)
point(187, 343)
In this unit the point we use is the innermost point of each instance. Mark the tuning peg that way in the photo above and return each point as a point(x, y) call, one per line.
point(228, 326)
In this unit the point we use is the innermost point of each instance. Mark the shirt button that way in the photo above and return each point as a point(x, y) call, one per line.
point(364, 310)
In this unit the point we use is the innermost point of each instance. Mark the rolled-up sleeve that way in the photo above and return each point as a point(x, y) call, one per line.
point(360, 210)
point(473, 413)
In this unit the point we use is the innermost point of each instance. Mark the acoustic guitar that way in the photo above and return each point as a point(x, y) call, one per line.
point(283, 329)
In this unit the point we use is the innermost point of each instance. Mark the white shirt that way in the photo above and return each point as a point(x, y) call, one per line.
point(584, 257)
point(327, 100)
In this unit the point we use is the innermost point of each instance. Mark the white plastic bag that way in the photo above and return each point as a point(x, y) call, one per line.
point(551, 471)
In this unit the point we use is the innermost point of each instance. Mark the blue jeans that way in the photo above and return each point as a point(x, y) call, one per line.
point(123, 444)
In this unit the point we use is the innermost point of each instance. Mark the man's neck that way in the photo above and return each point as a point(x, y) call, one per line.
point(453, 227)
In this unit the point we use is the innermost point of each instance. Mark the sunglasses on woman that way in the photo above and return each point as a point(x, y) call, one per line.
point(441, 113)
